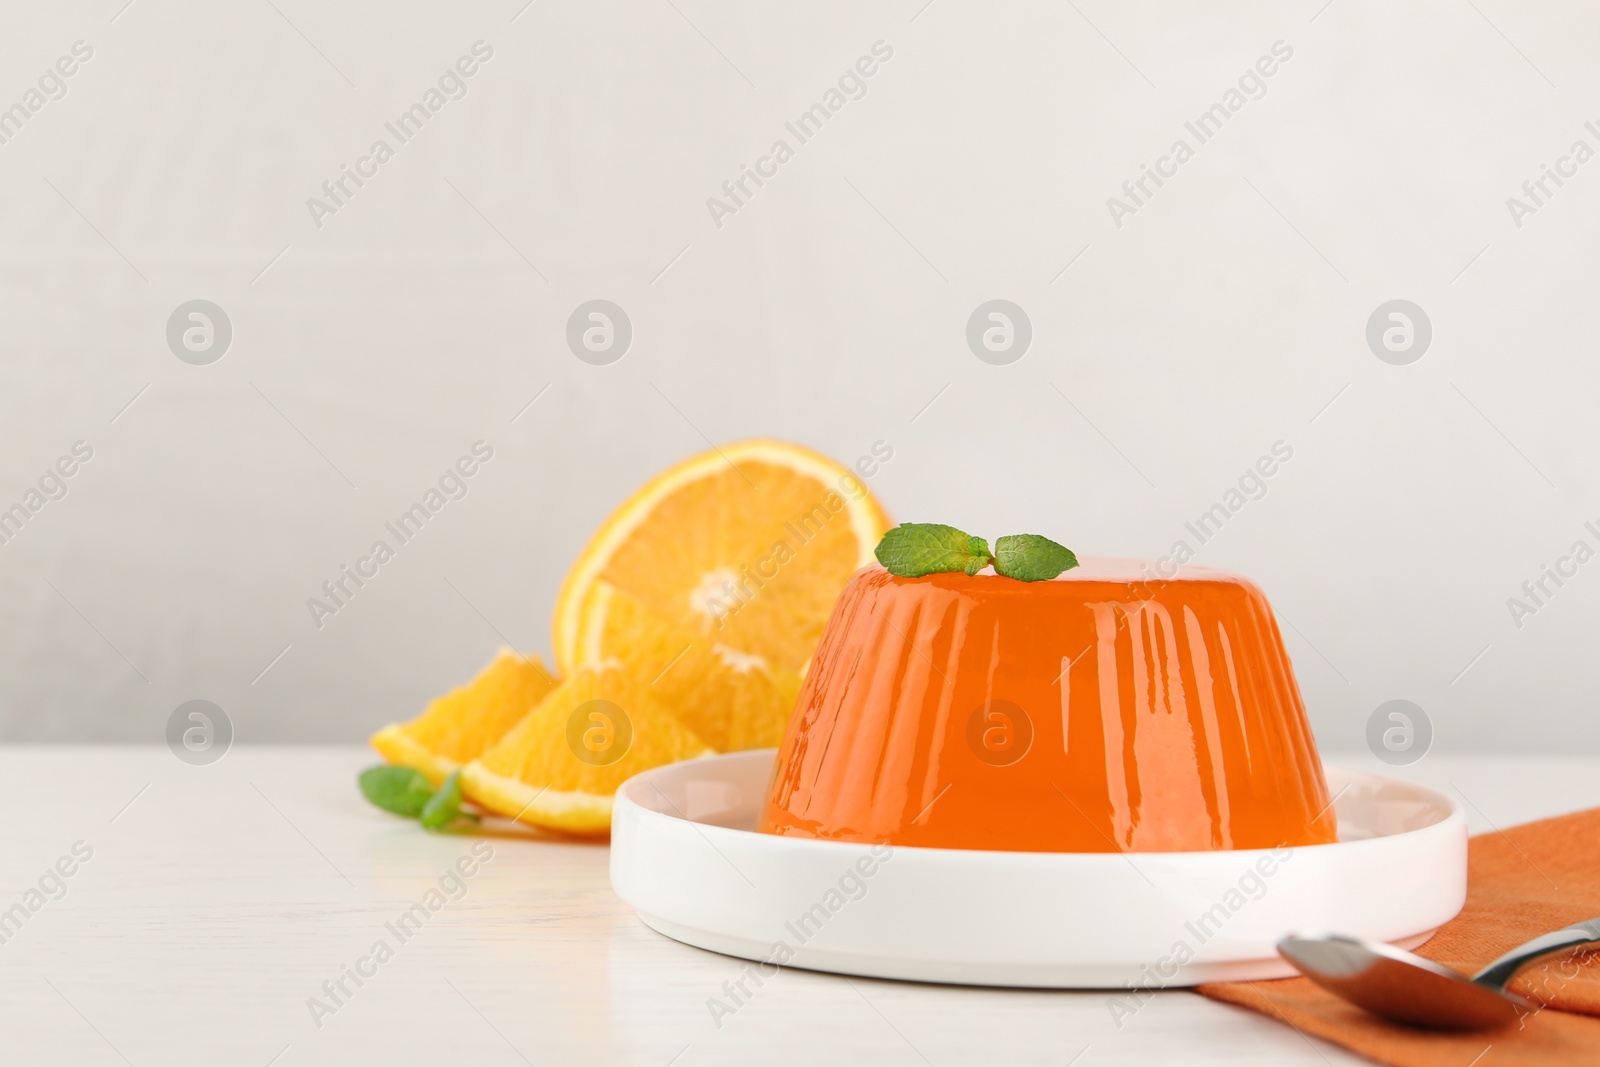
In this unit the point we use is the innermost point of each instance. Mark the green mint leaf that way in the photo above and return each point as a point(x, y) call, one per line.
point(401, 790)
point(913, 549)
point(445, 805)
point(1031, 558)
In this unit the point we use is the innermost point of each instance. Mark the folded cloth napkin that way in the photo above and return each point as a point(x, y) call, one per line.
point(1521, 882)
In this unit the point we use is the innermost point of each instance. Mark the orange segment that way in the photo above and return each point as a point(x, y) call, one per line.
point(734, 700)
point(465, 722)
point(560, 765)
point(745, 546)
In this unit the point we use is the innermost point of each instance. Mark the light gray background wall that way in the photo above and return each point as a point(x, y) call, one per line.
point(1169, 353)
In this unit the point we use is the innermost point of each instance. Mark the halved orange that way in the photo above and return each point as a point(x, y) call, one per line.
point(745, 546)
point(734, 700)
point(465, 722)
point(560, 765)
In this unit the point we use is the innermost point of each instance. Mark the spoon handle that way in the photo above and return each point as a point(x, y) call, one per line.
point(1498, 973)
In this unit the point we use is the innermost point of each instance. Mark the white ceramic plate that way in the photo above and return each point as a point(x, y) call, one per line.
point(685, 855)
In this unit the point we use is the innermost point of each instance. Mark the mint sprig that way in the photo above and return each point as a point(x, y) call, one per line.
point(916, 549)
point(406, 791)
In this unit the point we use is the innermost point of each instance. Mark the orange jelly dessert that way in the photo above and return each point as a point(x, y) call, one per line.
point(1100, 711)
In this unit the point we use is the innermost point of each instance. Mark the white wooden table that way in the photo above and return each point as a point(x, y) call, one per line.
point(218, 901)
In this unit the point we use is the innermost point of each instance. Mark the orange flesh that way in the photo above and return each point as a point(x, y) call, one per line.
point(1098, 712)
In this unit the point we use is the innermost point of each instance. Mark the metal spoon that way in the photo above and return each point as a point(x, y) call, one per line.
point(1403, 986)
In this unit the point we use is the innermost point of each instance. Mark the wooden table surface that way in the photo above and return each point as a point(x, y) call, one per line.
point(216, 902)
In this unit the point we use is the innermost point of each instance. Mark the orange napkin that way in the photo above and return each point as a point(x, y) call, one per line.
point(1521, 882)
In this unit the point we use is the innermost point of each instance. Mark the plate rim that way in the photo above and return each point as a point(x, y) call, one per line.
point(1456, 815)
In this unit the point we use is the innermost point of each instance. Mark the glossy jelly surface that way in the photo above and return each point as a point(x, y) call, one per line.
point(1101, 711)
